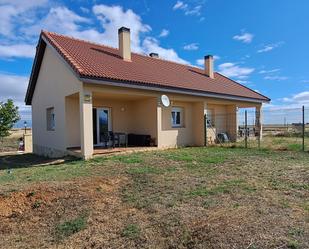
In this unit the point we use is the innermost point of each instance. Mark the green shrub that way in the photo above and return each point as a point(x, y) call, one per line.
point(131, 231)
point(70, 227)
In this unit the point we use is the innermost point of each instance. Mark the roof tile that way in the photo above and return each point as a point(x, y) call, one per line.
point(91, 60)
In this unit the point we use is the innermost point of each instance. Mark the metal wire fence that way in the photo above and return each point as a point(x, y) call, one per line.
point(279, 129)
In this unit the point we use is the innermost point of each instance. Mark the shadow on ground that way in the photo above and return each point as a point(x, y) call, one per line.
point(27, 160)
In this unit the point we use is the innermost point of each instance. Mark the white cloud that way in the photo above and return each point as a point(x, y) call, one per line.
point(164, 33)
point(85, 10)
point(180, 5)
point(277, 78)
point(59, 19)
point(14, 12)
point(191, 46)
point(244, 37)
point(62, 20)
point(269, 47)
point(13, 86)
point(151, 44)
point(269, 71)
point(302, 97)
point(232, 70)
point(17, 50)
point(188, 10)
point(244, 82)
point(298, 99)
point(114, 17)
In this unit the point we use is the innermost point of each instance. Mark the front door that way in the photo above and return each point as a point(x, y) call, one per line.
point(101, 126)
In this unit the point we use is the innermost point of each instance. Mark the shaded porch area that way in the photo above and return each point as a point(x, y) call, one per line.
point(99, 122)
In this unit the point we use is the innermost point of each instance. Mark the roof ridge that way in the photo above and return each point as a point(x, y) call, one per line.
point(107, 46)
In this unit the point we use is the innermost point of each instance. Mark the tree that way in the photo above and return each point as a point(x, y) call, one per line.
point(8, 117)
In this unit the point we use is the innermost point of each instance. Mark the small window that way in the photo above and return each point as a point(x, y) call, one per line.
point(177, 117)
point(210, 118)
point(50, 119)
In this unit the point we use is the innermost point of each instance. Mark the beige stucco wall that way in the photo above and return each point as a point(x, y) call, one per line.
point(181, 136)
point(72, 121)
point(55, 81)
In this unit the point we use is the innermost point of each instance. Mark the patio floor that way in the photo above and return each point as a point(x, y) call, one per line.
point(76, 151)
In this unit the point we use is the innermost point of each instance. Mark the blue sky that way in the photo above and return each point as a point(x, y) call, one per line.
point(262, 44)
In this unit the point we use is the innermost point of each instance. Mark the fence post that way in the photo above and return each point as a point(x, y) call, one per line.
point(303, 128)
point(246, 129)
point(205, 130)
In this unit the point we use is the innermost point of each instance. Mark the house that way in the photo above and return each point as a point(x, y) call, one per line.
point(80, 90)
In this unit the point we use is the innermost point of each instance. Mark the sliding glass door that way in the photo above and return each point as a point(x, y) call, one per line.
point(101, 126)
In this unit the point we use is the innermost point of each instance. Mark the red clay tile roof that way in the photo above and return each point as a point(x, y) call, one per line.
point(90, 60)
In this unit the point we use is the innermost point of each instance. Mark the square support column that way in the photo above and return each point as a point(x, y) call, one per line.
point(86, 125)
point(159, 125)
point(258, 121)
point(205, 138)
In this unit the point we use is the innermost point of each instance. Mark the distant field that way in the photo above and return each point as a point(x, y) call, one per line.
point(181, 198)
point(11, 143)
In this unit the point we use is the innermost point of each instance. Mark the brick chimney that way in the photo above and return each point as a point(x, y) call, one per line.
point(209, 66)
point(124, 43)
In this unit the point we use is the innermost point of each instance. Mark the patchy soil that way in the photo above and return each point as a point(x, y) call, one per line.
point(186, 198)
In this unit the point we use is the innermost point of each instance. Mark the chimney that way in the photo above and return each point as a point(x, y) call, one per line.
point(154, 55)
point(209, 66)
point(124, 43)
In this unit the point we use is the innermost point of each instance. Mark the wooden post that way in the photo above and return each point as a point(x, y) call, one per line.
point(205, 130)
point(246, 129)
point(303, 128)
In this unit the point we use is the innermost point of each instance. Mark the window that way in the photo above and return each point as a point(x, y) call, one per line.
point(50, 119)
point(177, 117)
point(210, 118)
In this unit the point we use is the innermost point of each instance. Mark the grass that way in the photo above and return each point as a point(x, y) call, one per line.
point(131, 231)
point(179, 198)
point(283, 143)
point(225, 187)
point(70, 227)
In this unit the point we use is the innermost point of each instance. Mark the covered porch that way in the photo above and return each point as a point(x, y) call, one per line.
point(99, 122)
point(105, 120)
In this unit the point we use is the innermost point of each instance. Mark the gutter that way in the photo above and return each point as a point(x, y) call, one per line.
point(140, 86)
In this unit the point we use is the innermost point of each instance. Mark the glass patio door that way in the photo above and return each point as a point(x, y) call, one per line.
point(101, 125)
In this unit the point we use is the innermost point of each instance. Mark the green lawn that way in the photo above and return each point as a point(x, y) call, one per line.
point(181, 198)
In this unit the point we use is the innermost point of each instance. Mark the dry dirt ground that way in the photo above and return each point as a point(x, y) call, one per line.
point(184, 198)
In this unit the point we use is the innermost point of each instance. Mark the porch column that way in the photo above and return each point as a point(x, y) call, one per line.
point(159, 126)
point(86, 129)
point(205, 128)
point(258, 121)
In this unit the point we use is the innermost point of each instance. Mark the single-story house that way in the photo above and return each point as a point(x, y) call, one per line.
point(80, 91)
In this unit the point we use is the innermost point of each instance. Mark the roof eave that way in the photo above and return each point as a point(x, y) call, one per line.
point(155, 87)
point(35, 70)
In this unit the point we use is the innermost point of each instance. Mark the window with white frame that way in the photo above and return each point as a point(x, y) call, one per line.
point(50, 119)
point(177, 117)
